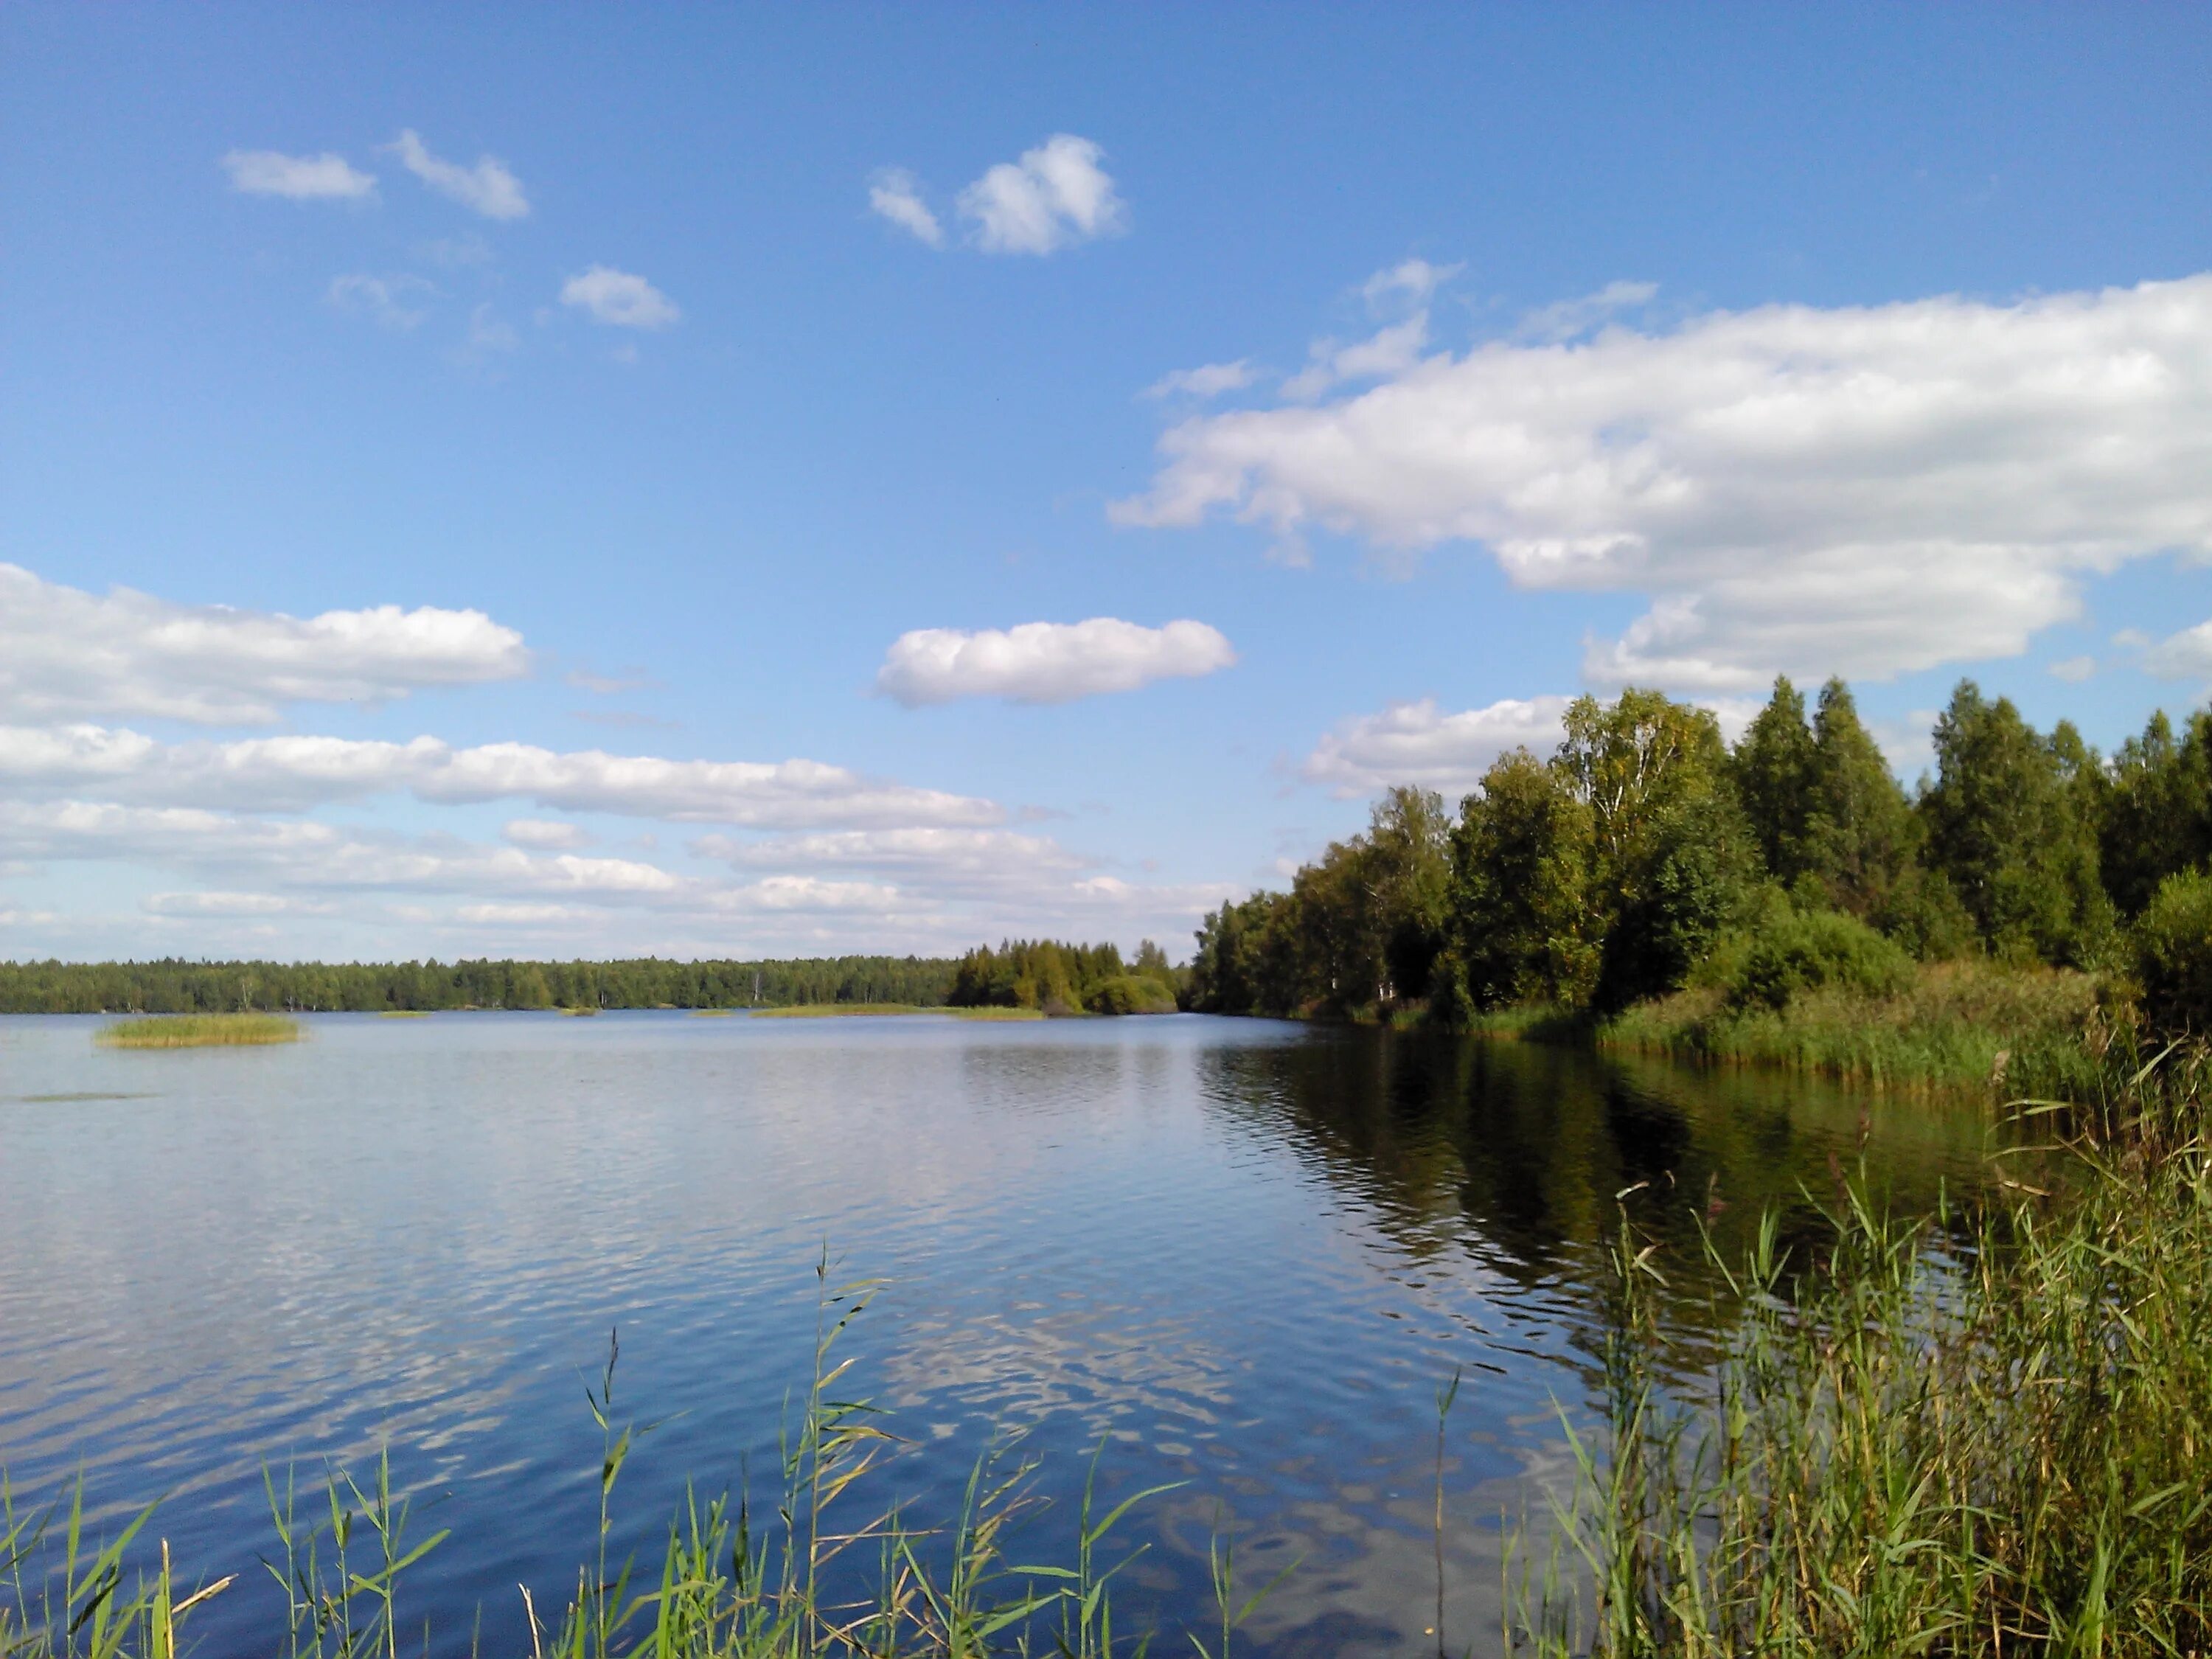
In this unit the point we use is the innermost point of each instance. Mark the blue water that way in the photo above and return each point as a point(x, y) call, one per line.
point(1244, 1255)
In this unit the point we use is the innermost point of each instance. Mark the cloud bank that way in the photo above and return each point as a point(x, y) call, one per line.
point(1414, 743)
point(1867, 490)
point(68, 654)
point(1046, 662)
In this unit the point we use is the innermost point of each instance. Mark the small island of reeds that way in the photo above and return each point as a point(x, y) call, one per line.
point(199, 1031)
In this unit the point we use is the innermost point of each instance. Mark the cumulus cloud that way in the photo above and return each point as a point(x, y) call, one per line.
point(620, 299)
point(2184, 656)
point(1207, 380)
point(895, 195)
point(1865, 491)
point(1046, 662)
point(940, 859)
point(1056, 195)
point(206, 903)
point(486, 188)
point(545, 835)
point(323, 177)
point(293, 774)
point(383, 299)
point(65, 653)
point(1415, 743)
point(1566, 318)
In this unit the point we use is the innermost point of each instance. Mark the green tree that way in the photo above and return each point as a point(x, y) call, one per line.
point(1774, 766)
point(1671, 860)
point(2154, 810)
point(2009, 824)
point(1521, 865)
point(1859, 835)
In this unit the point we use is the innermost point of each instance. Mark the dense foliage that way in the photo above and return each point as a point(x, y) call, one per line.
point(1065, 979)
point(175, 987)
point(1645, 855)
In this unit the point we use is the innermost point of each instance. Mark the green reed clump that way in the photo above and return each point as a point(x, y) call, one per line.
point(1951, 1025)
point(199, 1031)
point(1960, 1435)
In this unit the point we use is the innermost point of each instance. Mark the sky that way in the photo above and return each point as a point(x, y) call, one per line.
point(738, 481)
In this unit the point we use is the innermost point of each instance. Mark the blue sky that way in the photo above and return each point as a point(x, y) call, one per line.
point(1551, 348)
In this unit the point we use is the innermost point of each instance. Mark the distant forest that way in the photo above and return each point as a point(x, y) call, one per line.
point(1645, 855)
point(1021, 973)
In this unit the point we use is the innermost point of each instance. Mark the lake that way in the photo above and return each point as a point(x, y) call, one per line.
point(1243, 1255)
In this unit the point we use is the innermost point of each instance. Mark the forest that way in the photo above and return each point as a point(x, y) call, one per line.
point(1041, 974)
point(1645, 855)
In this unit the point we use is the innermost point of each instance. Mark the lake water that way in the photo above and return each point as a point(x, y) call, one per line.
point(1244, 1255)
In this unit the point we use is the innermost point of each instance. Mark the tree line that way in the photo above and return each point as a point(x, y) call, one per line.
point(1608, 871)
point(1042, 974)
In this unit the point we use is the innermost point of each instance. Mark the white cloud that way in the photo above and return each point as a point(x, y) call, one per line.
point(1566, 318)
point(2074, 669)
point(1867, 491)
point(1413, 743)
point(65, 653)
point(1046, 662)
point(382, 298)
point(619, 298)
point(894, 194)
point(223, 904)
point(1207, 380)
point(486, 188)
point(960, 859)
point(1056, 195)
point(1410, 281)
point(2184, 656)
point(322, 178)
point(296, 774)
point(543, 834)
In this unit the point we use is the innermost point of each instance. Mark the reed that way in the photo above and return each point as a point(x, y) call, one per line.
point(199, 1031)
point(1961, 1024)
point(1963, 1434)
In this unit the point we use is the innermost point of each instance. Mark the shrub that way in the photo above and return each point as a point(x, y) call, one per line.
point(2172, 950)
point(1132, 994)
point(1793, 952)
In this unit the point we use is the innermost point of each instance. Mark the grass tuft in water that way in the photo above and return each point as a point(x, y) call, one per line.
point(199, 1031)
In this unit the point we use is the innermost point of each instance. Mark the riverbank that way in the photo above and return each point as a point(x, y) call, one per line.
point(1952, 1026)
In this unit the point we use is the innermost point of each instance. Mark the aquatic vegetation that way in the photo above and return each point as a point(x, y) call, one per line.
point(1979, 1434)
point(199, 1031)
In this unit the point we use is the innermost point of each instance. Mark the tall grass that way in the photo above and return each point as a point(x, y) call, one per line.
point(1957, 1435)
point(199, 1031)
point(1958, 1025)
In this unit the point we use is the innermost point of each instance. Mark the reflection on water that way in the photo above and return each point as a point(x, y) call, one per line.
point(1242, 1253)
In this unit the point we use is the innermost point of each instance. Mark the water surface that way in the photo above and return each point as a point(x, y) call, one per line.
point(1242, 1253)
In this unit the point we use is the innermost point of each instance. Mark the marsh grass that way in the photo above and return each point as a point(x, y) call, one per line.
point(1964, 1434)
point(1959, 1025)
point(199, 1031)
point(403, 1013)
point(844, 1009)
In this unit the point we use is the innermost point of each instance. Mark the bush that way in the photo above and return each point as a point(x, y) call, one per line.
point(1132, 994)
point(1792, 951)
point(2172, 949)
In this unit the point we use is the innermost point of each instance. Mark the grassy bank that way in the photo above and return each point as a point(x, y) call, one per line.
point(850, 1010)
point(1967, 1435)
point(199, 1031)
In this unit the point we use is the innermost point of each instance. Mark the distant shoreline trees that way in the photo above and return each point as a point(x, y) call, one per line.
point(1609, 871)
